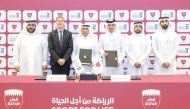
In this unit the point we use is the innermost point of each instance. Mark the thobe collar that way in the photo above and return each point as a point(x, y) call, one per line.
point(111, 34)
point(165, 31)
point(31, 34)
point(167, 36)
point(87, 37)
point(137, 35)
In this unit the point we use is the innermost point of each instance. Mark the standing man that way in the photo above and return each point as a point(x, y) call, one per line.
point(138, 50)
point(60, 46)
point(112, 40)
point(86, 40)
point(165, 46)
point(30, 50)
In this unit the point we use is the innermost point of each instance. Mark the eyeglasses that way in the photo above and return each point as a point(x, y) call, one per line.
point(164, 21)
point(31, 25)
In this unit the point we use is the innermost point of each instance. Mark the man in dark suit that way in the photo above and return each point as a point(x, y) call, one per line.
point(60, 46)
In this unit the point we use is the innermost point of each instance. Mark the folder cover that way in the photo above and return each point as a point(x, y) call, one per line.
point(111, 59)
point(85, 56)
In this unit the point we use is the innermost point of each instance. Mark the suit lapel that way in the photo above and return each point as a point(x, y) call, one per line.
point(57, 37)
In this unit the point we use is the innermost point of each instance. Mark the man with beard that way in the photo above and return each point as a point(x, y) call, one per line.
point(165, 47)
point(138, 48)
point(30, 50)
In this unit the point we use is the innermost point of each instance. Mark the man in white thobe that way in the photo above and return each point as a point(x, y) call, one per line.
point(138, 48)
point(86, 40)
point(30, 50)
point(112, 40)
point(165, 45)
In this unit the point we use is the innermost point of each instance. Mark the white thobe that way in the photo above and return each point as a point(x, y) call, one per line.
point(165, 45)
point(86, 43)
point(138, 48)
point(30, 52)
point(113, 41)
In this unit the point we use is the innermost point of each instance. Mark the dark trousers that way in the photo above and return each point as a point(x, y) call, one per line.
point(61, 69)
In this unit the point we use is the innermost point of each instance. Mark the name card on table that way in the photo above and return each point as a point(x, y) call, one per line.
point(57, 78)
point(120, 78)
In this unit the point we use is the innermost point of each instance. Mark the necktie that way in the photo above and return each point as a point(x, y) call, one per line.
point(61, 39)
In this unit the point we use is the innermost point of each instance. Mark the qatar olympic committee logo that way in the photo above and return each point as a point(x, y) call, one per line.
point(151, 98)
point(13, 98)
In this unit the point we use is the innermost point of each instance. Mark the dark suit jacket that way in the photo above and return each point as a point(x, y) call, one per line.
point(54, 47)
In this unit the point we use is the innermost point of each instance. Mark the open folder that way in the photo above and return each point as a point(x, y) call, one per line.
point(85, 56)
point(111, 59)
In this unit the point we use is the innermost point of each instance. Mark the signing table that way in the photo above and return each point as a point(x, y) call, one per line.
point(151, 92)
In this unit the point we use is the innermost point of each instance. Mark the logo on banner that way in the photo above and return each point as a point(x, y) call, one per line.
point(168, 13)
point(75, 26)
point(0, 61)
point(0, 38)
point(183, 38)
point(137, 15)
point(106, 16)
point(186, 50)
point(17, 15)
point(183, 62)
point(183, 14)
point(78, 15)
point(121, 14)
point(29, 15)
point(140, 14)
point(60, 14)
point(45, 16)
point(14, 16)
point(2, 26)
point(152, 14)
point(93, 27)
point(183, 27)
point(48, 15)
point(109, 15)
point(151, 98)
point(171, 14)
point(125, 26)
point(2, 72)
point(14, 73)
point(0, 14)
point(13, 98)
point(75, 15)
point(187, 26)
point(156, 26)
point(90, 15)
point(152, 62)
point(44, 27)
point(2, 50)
point(104, 26)
point(14, 26)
